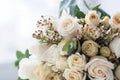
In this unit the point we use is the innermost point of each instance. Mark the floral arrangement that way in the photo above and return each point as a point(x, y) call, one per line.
point(73, 48)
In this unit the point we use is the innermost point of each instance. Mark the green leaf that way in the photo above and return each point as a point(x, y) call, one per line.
point(74, 44)
point(65, 4)
point(20, 56)
point(17, 63)
point(27, 53)
point(96, 7)
point(73, 47)
point(85, 3)
point(78, 46)
point(70, 47)
point(66, 46)
point(103, 13)
point(22, 79)
point(78, 13)
point(72, 10)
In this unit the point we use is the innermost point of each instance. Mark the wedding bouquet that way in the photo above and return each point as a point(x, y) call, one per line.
point(83, 47)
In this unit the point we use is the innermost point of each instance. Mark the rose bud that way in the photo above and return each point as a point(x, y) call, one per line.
point(105, 51)
point(117, 72)
point(90, 48)
point(105, 22)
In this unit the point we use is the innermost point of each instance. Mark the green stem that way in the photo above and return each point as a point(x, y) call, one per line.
point(103, 12)
point(86, 4)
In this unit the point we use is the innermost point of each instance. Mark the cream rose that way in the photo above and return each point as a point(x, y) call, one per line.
point(117, 72)
point(115, 22)
point(115, 46)
point(100, 68)
point(92, 18)
point(61, 63)
point(43, 71)
point(33, 69)
point(77, 61)
point(67, 26)
point(70, 74)
point(90, 48)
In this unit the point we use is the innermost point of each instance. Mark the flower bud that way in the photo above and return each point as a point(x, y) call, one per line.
point(105, 51)
point(90, 48)
point(117, 72)
point(105, 22)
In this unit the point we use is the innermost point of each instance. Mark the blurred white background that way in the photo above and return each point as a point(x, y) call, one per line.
point(17, 23)
point(17, 20)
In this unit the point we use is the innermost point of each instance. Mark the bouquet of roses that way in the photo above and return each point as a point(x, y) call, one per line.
point(73, 48)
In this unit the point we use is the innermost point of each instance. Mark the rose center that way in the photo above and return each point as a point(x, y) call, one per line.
point(101, 73)
point(93, 16)
point(117, 20)
point(76, 60)
point(38, 73)
point(71, 77)
point(88, 47)
point(67, 23)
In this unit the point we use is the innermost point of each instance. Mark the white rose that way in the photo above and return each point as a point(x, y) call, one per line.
point(117, 72)
point(99, 68)
point(115, 22)
point(77, 61)
point(56, 56)
point(71, 74)
point(61, 63)
point(67, 26)
point(49, 55)
point(39, 49)
point(52, 56)
point(90, 48)
point(26, 68)
point(92, 18)
point(115, 46)
point(33, 69)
